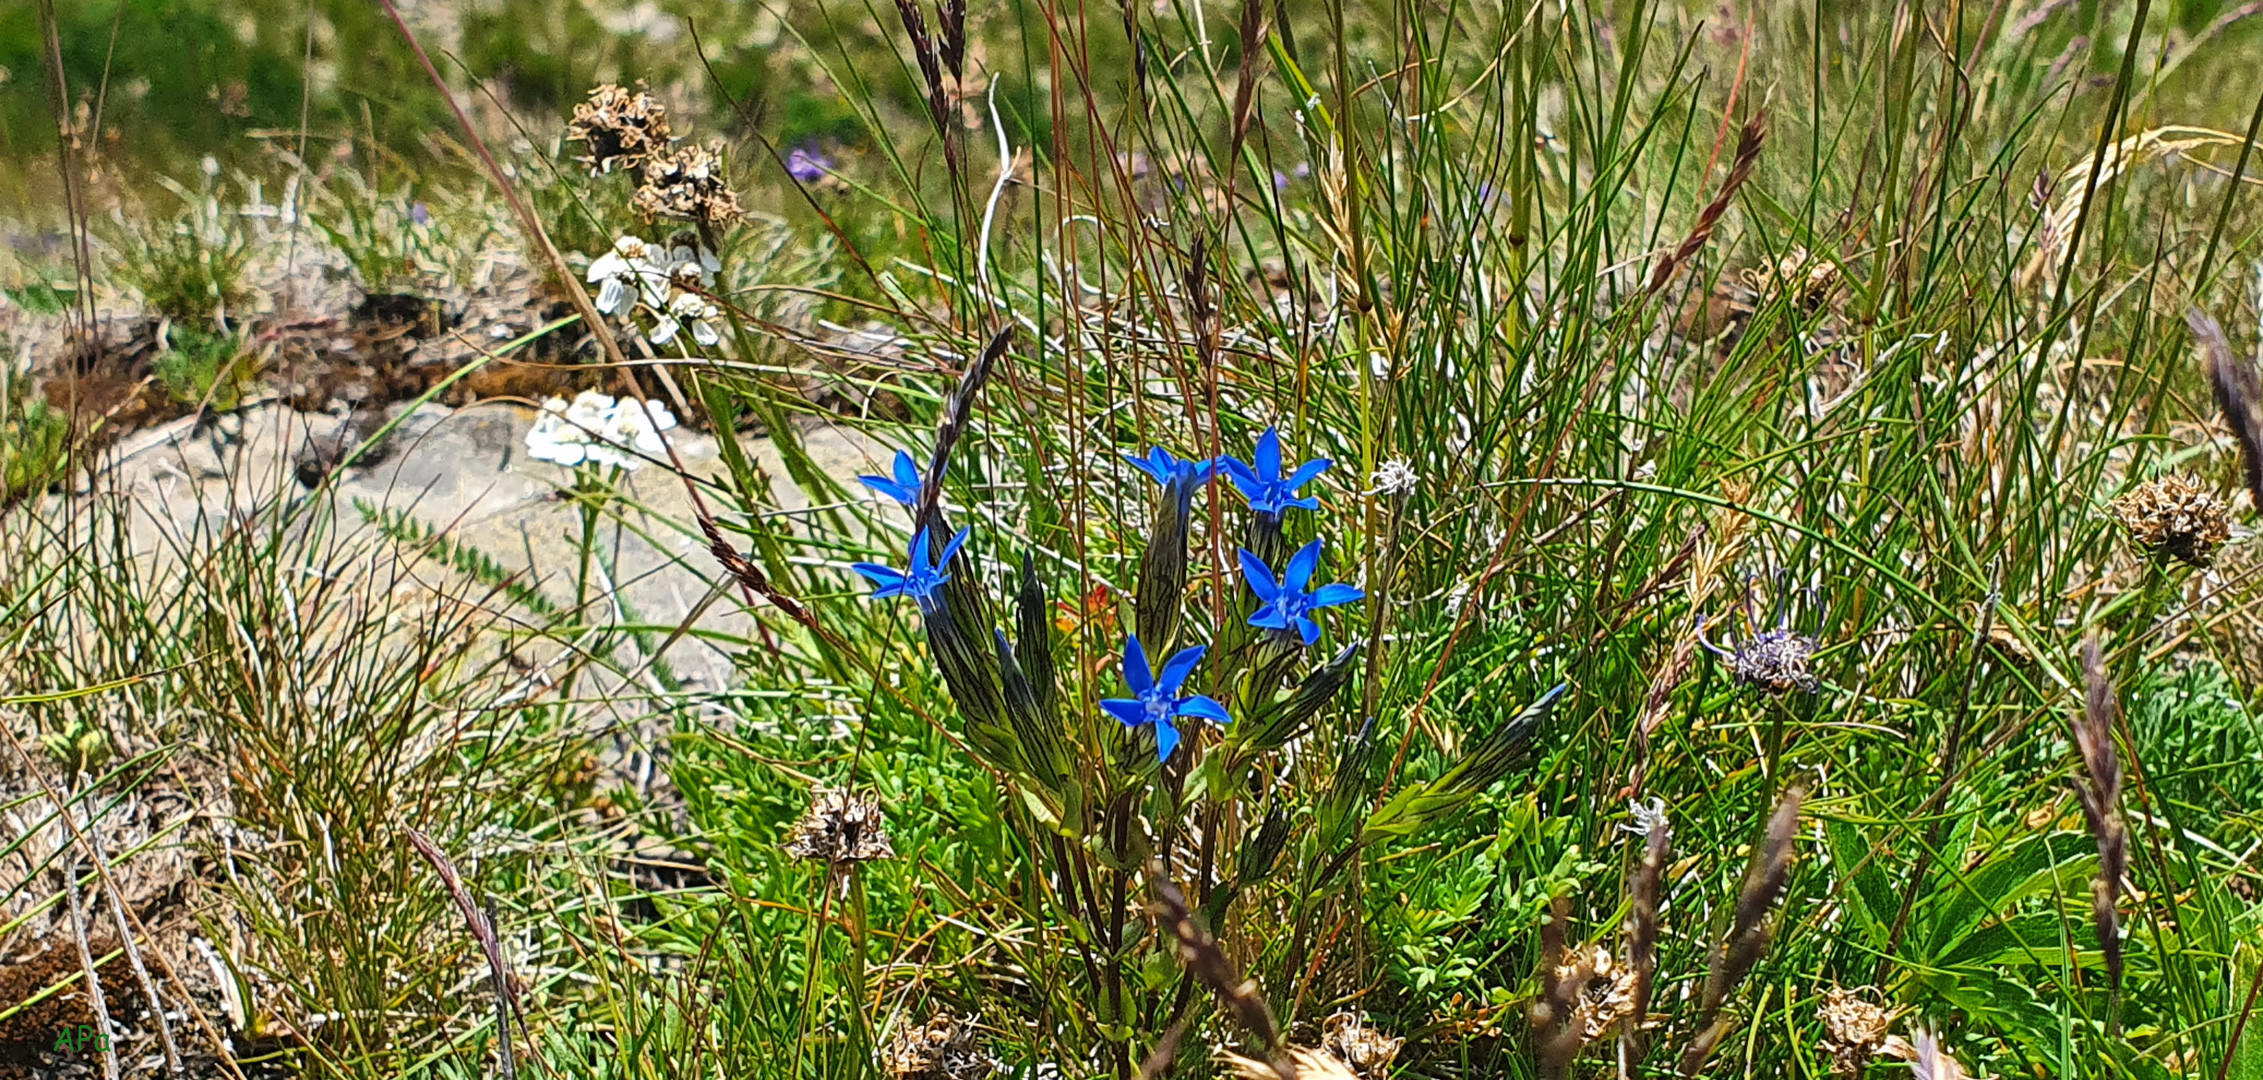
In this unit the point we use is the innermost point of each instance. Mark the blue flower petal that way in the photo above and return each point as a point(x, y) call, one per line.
point(1306, 473)
point(1166, 740)
point(1298, 576)
point(1309, 502)
point(1137, 674)
point(1178, 667)
point(883, 576)
point(1259, 576)
point(951, 549)
point(1125, 710)
point(1331, 595)
point(1270, 617)
point(1205, 707)
point(1308, 629)
point(1268, 456)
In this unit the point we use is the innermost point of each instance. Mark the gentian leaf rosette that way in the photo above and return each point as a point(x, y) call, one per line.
point(1290, 600)
point(1163, 567)
point(1271, 489)
point(1156, 701)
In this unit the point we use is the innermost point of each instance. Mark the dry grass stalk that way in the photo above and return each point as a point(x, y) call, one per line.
point(1298, 1064)
point(2100, 790)
point(70, 870)
point(482, 930)
point(944, 1048)
point(1645, 888)
point(1749, 930)
point(93, 839)
point(1749, 141)
point(2238, 393)
point(1199, 954)
point(1558, 1031)
point(2172, 517)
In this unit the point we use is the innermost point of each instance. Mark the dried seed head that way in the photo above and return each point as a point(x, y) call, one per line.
point(841, 827)
point(2173, 516)
point(1776, 661)
point(944, 1048)
point(1607, 997)
point(1810, 283)
point(1368, 1051)
point(1854, 1029)
point(622, 130)
point(688, 184)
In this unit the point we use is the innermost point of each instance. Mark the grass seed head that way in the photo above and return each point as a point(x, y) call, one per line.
point(1367, 1050)
point(621, 129)
point(1809, 282)
point(1776, 661)
point(1854, 1029)
point(944, 1048)
point(841, 827)
point(2174, 517)
point(689, 184)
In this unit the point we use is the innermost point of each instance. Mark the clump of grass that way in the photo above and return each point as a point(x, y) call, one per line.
point(203, 368)
point(190, 268)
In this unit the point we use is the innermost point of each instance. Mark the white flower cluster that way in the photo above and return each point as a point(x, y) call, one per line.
point(660, 277)
point(598, 430)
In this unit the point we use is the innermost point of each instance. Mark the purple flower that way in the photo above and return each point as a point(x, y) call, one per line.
point(903, 487)
point(1156, 699)
point(1261, 481)
point(807, 164)
point(1290, 601)
point(1280, 180)
point(419, 214)
point(921, 579)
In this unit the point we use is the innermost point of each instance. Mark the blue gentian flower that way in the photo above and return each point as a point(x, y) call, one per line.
point(922, 579)
point(1156, 699)
point(904, 487)
point(1167, 471)
point(1290, 601)
point(1261, 481)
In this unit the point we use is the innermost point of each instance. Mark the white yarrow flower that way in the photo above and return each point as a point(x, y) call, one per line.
point(595, 429)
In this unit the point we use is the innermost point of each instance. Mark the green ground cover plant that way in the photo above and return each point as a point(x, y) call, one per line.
point(1429, 541)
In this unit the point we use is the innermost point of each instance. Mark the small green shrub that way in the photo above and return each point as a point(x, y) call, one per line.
point(199, 367)
point(190, 269)
point(32, 441)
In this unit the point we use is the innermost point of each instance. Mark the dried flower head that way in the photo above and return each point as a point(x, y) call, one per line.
point(1809, 282)
point(1367, 1050)
point(1776, 661)
point(944, 1048)
point(841, 827)
point(622, 129)
point(688, 184)
point(2173, 516)
point(1607, 997)
point(1854, 1029)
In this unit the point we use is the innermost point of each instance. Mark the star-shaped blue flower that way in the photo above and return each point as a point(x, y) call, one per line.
point(921, 579)
point(1168, 471)
point(1290, 601)
point(903, 487)
point(1156, 699)
point(1261, 481)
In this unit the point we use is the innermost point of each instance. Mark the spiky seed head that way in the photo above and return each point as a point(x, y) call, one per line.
point(1367, 1050)
point(1776, 661)
point(689, 184)
point(841, 827)
point(622, 129)
point(944, 1048)
point(1854, 1029)
point(2176, 518)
